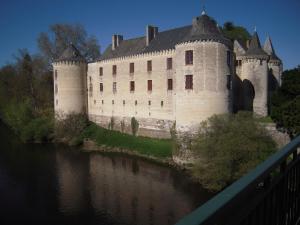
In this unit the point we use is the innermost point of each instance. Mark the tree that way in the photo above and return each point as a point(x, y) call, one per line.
point(53, 43)
point(227, 147)
point(285, 103)
point(235, 32)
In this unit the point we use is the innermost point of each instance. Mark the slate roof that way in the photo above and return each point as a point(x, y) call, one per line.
point(255, 49)
point(268, 48)
point(203, 28)
point(71, 54)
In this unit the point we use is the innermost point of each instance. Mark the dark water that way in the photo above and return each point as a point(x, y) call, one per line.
point(50, 184)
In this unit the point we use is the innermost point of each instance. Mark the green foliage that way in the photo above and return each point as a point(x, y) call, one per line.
point(142, 145)
point(134, 126)
point(227, 147)
point(19, 116)
point(235, 32)
point(285, 103)
point(70, 128)
point(38, 130)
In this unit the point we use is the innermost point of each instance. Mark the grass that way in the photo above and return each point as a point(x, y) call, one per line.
point(161, 148)
point(266, 119)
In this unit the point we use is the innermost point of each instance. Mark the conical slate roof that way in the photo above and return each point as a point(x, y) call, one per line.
point(205, 28)
point(255, 49)
point(71, 54)
point(268, 48)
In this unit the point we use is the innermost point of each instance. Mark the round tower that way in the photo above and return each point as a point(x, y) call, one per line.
point(69, 75)
point(254, 78)
point(204, 65)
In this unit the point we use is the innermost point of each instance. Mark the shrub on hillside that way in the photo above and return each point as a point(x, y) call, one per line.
point(227, 147)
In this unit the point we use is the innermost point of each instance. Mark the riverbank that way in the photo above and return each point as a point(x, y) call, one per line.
point(97, 137)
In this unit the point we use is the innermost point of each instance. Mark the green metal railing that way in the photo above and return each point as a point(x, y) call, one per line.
point(269, 194)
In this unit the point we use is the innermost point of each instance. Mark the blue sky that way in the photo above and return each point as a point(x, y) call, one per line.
point(22, 20)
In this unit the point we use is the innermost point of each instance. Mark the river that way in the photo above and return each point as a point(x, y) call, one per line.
point(58, 185)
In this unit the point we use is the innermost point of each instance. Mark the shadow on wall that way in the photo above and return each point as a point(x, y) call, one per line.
point(248, 95)
point(244, 93)
point(273, 85)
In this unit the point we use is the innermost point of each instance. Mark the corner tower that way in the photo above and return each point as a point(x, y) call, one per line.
point(254, 78)
point(70, 83)
point(204, 65)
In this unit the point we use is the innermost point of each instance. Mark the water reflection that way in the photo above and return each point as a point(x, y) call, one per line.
point(47, 184)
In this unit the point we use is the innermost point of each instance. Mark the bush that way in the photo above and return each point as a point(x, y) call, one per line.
point(134, 126)
point(285, 103)
point(37, 130)
point(71, 127)
point(227, 147)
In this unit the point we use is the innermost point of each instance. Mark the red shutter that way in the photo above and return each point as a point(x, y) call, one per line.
point(170, 84)
point(149, 85)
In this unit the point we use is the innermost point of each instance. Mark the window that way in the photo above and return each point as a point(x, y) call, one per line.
point(131, 68)
point(162, 103)
point(91, 89)
point(149, 102)
point(113, 102)
point(189, 57)
point(123, 102)
point(101, 71)
point(170, 84)
point(228, 58)
point(114, 70)
point(102, 102)
point(149, 85)
point(169, 63)
point(56, 89)
point(55, 74)
point(189, 82)
point(101, 87)
point(135, 102)
point(95, 102)
point(90, 79)
point(132, 87)
point(114, 87)
point(149, 66)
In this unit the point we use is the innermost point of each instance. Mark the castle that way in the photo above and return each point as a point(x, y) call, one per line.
point(177, 77)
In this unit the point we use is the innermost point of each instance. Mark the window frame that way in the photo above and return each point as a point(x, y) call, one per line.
point(114, 70)
point(149, 66)
point(101, 71)
point(169, 63)
point(189, 82)
point(132, 86)
point(170, 84)
point(189, 57)
point(131, 68)
point(149, 85)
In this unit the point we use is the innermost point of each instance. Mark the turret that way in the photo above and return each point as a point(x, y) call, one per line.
point(204, 65)
point(254, 78)
point(70, 83)
point(275, 66)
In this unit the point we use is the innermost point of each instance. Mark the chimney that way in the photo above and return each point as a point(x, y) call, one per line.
point(116, 41)
point(151, 33)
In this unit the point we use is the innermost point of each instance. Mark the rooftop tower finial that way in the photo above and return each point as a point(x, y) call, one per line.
point(203, 11)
